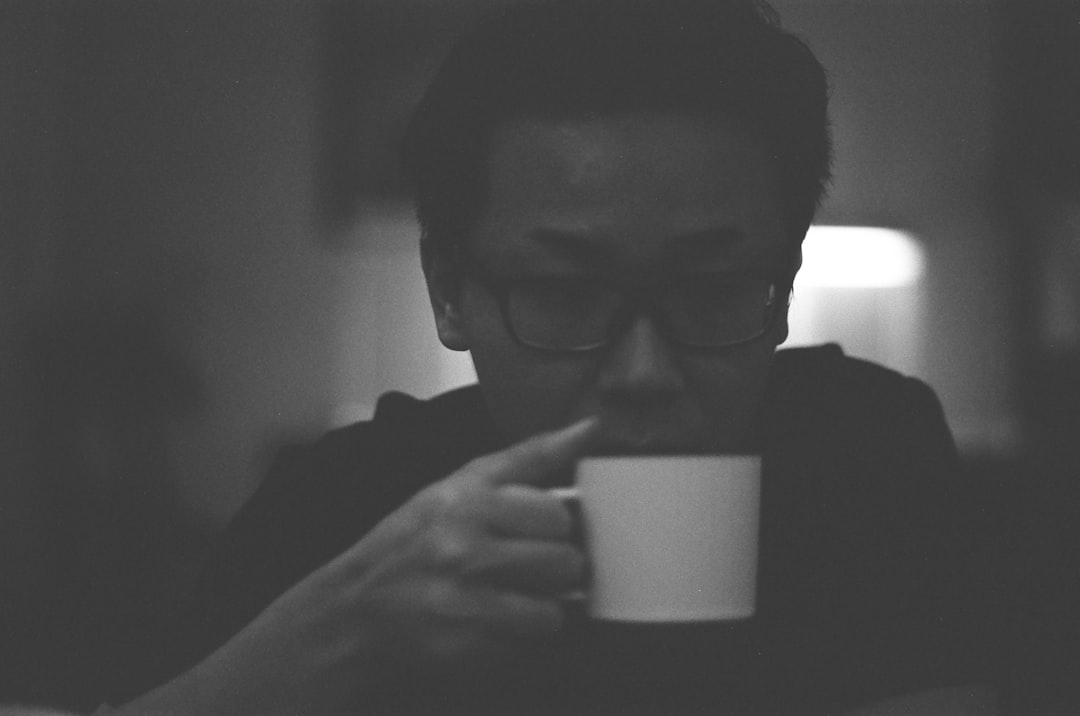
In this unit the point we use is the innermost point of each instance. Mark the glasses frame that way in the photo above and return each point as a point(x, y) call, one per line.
point(637, 300)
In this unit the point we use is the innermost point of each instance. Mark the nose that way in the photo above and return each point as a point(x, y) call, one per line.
point(640, 367)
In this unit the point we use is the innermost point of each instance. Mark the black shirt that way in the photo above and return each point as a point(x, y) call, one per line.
point(858, 595)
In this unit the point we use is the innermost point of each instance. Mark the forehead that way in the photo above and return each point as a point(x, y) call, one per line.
point(637, 187)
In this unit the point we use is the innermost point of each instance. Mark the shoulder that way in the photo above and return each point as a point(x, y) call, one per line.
point(825, 407)
point(861, 492)
point(814, 369)
point(821, 386)
point(401, 416)
point(319, 498)
point(407, 442)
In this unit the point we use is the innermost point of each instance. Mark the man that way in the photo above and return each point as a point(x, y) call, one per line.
point(613, 197)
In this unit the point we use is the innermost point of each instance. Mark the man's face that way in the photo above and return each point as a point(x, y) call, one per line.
point(631, 199)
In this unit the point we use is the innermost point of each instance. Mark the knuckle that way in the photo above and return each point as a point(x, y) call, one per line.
point(458, 501)
point(447, 500)
point(449, 549)
point(482, 467)
point(494, 467)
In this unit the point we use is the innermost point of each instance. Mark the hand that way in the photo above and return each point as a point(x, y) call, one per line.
point(472, 567)
point(462, 577)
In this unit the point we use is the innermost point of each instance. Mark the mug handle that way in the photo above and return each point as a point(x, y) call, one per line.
point(571, 498)
point(569, 495)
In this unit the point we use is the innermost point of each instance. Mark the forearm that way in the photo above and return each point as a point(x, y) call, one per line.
point(971, 700)
point(257, 672)
point(208, 690)
point(188, 693)
point(212, 687)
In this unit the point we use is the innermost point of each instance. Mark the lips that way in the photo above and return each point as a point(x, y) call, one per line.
point(617, 448)
point(656, 432)
point(647, 443)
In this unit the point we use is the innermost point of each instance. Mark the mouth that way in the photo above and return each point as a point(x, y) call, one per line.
point(668, 434)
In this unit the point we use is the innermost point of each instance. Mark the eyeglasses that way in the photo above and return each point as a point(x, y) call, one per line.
point(708, 310)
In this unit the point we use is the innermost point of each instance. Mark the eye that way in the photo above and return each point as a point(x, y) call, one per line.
point(717, 298)
point(719, 290)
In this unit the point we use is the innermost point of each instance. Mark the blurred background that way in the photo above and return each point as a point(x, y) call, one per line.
point(206, 250)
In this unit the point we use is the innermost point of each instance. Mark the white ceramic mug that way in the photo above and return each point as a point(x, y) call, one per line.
point(670, 538)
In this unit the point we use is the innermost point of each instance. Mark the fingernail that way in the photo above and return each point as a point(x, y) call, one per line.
point(584, 425)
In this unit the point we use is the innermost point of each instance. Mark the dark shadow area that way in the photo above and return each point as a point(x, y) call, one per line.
point(1019, 540)
point(113, 548)
point(107, 543)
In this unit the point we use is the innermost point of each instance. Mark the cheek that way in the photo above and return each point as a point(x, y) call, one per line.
point(526, 391)
point(727, 391)
point(527, 395)
point(739, 372)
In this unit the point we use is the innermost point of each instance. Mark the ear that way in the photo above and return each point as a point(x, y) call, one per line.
point(780, 327)
point(444, 290)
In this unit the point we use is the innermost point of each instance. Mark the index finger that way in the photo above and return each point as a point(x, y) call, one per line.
point(536, 460)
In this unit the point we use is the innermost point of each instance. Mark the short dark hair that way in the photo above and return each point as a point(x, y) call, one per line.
point(583, 58)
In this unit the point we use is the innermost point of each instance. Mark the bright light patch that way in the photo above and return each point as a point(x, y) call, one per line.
point(859, 257)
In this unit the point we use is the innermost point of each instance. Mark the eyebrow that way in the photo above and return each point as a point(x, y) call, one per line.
point(700, 246)
point(692, 247)
point(571, 245)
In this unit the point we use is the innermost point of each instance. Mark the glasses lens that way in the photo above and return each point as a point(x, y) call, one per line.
point(716, 311)
point(561, 314)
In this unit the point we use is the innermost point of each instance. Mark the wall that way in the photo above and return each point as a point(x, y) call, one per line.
point(185, 174)
point(169, 310)
point(914, 105)
point(185, 169)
